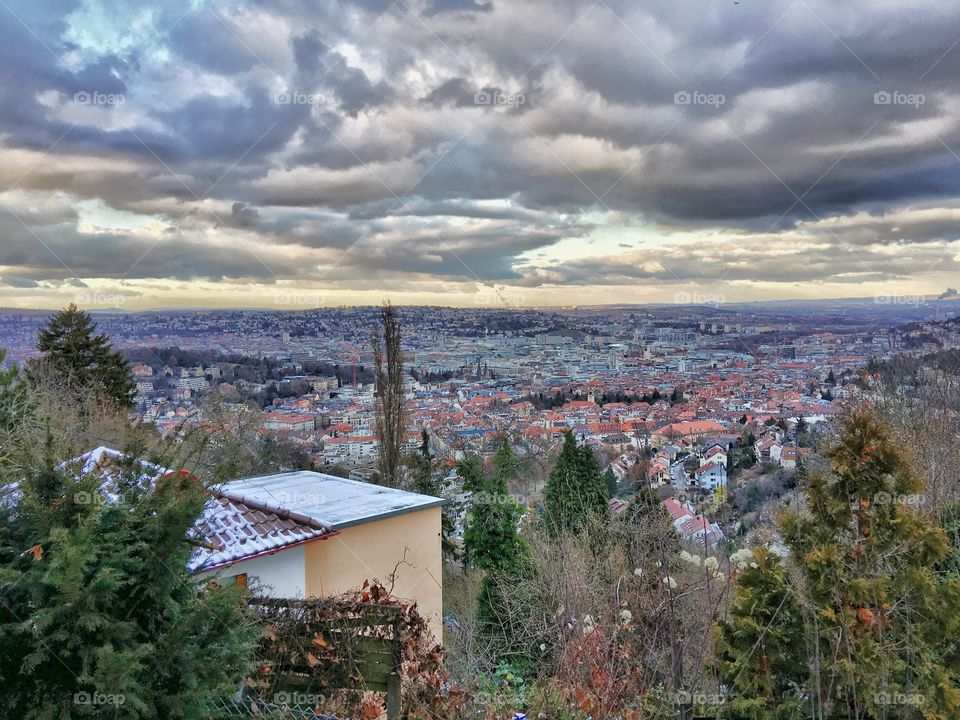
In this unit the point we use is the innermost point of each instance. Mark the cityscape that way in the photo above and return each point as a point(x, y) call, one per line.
point(479, 360)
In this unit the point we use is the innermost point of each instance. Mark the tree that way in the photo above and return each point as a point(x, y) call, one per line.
point(802, 426)
point(576, 489)
point(880, 613)
point(491, 539)
point(75, 358)
point(423, 478)
point(101, 616)
point(759, 645)
point(15, 401)
point(390, 411)
point(492, 543)
point(610, 480)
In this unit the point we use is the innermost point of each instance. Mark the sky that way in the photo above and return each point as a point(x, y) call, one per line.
point(476, 152)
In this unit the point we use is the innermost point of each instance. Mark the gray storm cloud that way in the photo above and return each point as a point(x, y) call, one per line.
point(455, 139)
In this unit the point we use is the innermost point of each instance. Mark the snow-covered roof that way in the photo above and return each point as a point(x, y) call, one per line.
point(260, 515)
point(235, 531)
point(327, 499)
point(228, 530)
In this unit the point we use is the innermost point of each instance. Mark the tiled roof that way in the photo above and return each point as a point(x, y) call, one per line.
point(235, 530)
point(229, 529)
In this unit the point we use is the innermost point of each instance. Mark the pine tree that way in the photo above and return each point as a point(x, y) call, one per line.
point(77, 359)
point(15, 399)
point(492, 542)
point(99, 603)
point(491, 539)
point(760, 645)
point(610, 480)
point(881, 613)
point(575, 490)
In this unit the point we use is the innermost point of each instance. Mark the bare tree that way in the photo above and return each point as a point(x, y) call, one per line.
point(390, 412)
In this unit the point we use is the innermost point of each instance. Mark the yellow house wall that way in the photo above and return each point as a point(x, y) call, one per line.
point(372, 550)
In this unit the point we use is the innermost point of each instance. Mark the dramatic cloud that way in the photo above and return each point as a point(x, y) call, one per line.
point(435, 149)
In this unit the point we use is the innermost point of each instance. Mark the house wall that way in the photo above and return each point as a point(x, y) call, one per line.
point(370, 551)
point(282, 572)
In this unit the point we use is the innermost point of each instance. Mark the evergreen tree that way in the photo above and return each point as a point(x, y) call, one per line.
point(491, 539)
point(760, 645)
point(801, 426)
point(75, 358)
point(492, 542)
point(99, 605)
point(881, 612)
point(15, 400)
point(576, 489)
point(610, 480)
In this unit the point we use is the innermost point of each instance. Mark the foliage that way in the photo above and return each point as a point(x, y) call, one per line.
point(491, 539)
point(342, 643)
point(576, 488)
point(610, 480)
point(76, 359)
point(15, 400)
point(492, 543)
point(878, 615)
point(99, 604)
point(758, 649)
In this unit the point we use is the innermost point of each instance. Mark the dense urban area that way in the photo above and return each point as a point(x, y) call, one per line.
point(560, 450)
point(683, 397)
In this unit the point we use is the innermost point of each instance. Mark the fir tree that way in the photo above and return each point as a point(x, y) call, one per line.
point(881, 614)
point(15, 400)
point(491, 540)
point(75, 358)
point(760, 645)
point(575, 490)
point(610, 480)
point(492, 543)
point(99, 603)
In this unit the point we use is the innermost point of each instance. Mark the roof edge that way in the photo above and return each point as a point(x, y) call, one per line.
point(439, 502)
point(276, 510)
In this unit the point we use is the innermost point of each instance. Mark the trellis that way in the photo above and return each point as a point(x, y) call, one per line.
point(321, 645)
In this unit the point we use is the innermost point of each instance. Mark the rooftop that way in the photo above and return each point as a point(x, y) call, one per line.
point(332, 501)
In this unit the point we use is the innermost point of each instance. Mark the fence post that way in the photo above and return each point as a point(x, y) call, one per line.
point(393, 696)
